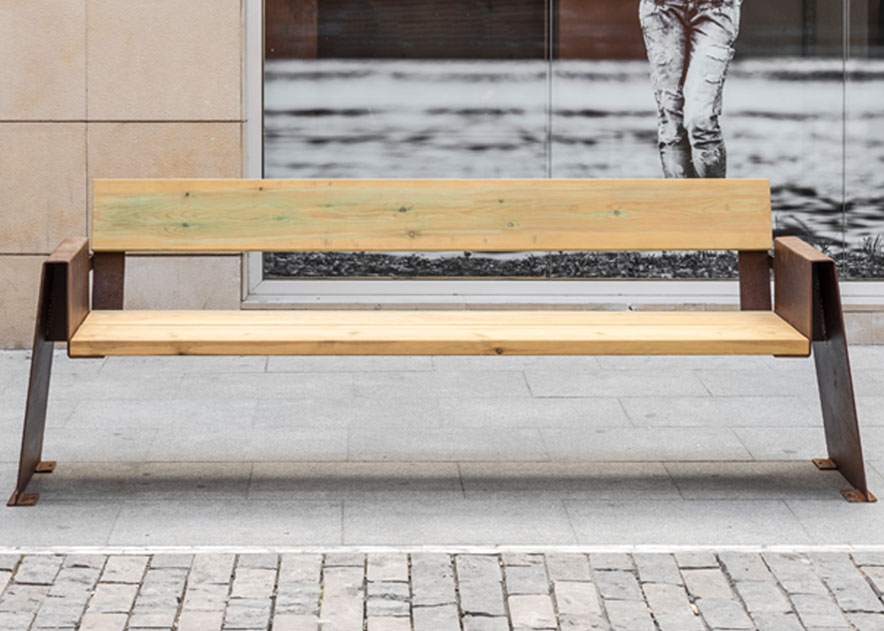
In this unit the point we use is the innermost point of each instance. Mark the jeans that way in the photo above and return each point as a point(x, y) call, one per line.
point(690, 45)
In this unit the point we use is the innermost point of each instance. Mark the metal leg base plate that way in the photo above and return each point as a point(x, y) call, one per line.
point(45, 466)
point(824, 464)
point(855, 496)
point(25, 499)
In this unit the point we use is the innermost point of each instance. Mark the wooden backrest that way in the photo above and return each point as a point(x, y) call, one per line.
point(425, 215)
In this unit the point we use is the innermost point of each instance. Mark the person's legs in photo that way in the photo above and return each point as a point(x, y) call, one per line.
point(714, 27)
point(664, 25)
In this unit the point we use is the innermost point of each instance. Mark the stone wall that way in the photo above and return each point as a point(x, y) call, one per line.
point(113, 88)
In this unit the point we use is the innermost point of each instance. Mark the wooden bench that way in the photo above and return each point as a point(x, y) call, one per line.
point(444, 215)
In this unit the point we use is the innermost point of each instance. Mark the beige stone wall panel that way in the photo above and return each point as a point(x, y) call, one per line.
point(187, 150)
point(42, 185)
point(42, 59)
point(182, 282)
point(164, 59)
point(20, 278)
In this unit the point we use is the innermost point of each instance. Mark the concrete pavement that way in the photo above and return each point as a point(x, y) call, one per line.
point(438, 451)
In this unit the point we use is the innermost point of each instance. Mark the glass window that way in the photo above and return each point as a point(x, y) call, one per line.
point(787, 90)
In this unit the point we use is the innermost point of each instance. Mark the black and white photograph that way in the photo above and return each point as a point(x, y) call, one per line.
point(789, 91)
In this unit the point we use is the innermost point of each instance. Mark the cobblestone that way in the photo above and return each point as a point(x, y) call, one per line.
point(567, 567)
point(298, 598)
point(200, 620)
point(577, 599)
point(107, 622)
point(657, 568)
point(481, 587)
point(387, 599)
point(387, 623)
point(437, 618)
point(432, 580)
point(876, 575)
point(671, 608)
point(696, 560)
point(38, 570)
point(777, 622)
point(607, 561)
point(343, 598)
point(629, 615)
point(180, 561)
point(762, 597)
point(867, 621)
point(212, 568)
point(618, 585)
point(258, 561)
point(112, 598)
point(860, 558)
point(532, 611)
point(521, 559)
point(851, 591)
point(9, 561)
point(124, 569)
point(526, 579)
point(472, 623)
point(297, 568)
point(388, 567)
point(444, 592)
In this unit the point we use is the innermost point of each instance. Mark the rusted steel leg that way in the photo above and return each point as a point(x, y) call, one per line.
point(754, 281)
point(38, 389)
point(836, 388)
point(62, 305)
point(807, 297)
point(108, 275)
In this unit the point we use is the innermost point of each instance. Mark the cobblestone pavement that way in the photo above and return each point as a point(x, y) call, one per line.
point(437, 591)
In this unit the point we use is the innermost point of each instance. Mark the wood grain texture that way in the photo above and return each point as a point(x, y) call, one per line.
point(435, 333)
point(430, 215)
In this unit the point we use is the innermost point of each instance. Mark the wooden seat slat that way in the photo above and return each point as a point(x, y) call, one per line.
point(435, 333)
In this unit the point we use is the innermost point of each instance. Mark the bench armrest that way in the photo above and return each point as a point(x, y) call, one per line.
point(64, 289)
point(798, 269)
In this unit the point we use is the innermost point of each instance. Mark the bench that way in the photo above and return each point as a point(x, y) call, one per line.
point(209, 216)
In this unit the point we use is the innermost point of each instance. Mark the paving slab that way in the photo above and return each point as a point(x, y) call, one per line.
point(569, 480)
point(450, 444)
point(519, 412)
point(354, 480)
point(721, 411)
point(698, 522)
point(271, 385)
point(645, 444)
point(443, 384)
point(621, 383)
point(144, 480)
point(195, 522)
point(249, 445)
point(350, 363)
point(754, 480)
point(380, 411)
point(162, 412)
point(455, 522)
point(87, 523)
